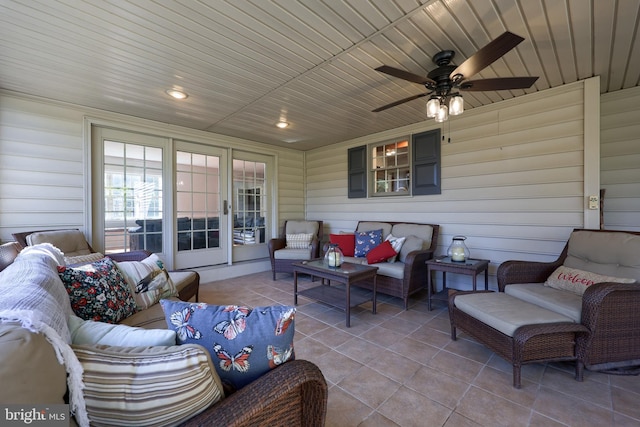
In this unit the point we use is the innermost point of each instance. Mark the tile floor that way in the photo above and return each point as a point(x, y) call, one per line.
point(400, 368)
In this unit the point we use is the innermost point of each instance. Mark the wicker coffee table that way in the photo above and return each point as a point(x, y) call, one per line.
point(342, 298)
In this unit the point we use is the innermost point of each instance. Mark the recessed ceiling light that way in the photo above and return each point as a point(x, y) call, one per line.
point(282, 125)
point(177, 94)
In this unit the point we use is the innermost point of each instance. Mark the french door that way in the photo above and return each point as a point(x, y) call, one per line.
point(201, 220)
point(196, 204)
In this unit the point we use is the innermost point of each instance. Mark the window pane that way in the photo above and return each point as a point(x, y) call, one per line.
point(249, 194)
point(198, 202)
point(133, 197)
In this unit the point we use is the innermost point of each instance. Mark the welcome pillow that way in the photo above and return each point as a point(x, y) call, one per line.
point(577, 281)
point(244, 343)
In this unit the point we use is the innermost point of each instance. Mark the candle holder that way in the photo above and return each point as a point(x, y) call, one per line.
point(333, 258)
point(458, 251)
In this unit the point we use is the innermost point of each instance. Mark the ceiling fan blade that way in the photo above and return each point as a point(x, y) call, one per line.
point(404, 75)
point(402, 101)
point(487, 55)
point(504, 83)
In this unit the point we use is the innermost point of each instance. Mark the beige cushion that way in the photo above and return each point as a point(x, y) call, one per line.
point(424, 232)
point(577, 281)
point(504, 312)
point(151, 318)
point(143, 386)
point(412, 243)
point(83, 259)
point(70, 242)
point(29, 372)
point(298, 227)
point(563, 302)
point(607, 253)
point(101, 333)
point(293, 254)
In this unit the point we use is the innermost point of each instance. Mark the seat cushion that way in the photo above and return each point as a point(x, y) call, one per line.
point(563, 302)
point(292, 254)
point(151, 318)
point(506, 313)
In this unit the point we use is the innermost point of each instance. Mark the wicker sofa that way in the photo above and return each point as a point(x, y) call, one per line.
point(600, 328)
point(408, 273)
point(294, 393)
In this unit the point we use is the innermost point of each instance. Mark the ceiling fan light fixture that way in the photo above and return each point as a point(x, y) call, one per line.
point(433, 105)
point(282, 124)
point(442, 114)
point(456, 105)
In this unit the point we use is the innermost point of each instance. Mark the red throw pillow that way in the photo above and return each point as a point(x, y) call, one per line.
point(380, 253)
point(346, 242)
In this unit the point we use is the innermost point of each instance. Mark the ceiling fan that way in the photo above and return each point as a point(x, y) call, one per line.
point(445, 81)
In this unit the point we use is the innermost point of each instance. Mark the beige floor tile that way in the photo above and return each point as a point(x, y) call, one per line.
point(571, 410)
point(369, 386)
point(491, 410)
point(439, 387)
point(400, 368)
point(410, 409)
point(345, 410)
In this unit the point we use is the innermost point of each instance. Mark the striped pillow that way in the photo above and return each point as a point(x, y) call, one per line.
point(299, 241)
point(143, 386)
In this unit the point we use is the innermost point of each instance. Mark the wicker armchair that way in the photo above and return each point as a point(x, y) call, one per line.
point(610, 311)
point(283, 257)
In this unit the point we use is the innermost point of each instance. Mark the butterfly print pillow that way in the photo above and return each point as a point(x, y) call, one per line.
point(244, 343)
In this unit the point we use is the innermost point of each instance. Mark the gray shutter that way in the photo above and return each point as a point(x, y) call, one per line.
point(357, 166)
point(426, 163)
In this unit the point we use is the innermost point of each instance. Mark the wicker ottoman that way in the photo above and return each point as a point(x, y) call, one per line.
point(516, 330)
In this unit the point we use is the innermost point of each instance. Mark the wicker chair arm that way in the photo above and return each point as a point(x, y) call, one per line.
point(510, 272)
point(137, 255)
point(293, 394)
point(275, 244)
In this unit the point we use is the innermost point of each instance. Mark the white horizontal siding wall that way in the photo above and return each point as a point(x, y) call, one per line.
point(42, 170)
point(41, 166)
point(620, 159)
point(512, 180)
point(291, 195)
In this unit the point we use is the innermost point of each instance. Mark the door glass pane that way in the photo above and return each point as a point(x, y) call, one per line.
point(132, 197)
point(250, 195)
point(198, 201)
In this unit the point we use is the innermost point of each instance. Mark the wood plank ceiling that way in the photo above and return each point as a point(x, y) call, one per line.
point(246, 64)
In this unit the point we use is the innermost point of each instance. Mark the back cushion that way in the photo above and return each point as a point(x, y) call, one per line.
point(424, 232)
point(30, 367)
point(607, 253)
point(372, 225)
point(70, 242)
point(302, 227)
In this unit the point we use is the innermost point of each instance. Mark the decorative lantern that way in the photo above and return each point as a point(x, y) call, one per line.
point(458, 251)
point(333, 257)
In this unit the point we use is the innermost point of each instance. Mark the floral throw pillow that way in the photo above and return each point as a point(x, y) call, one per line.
point(244, 343)
point(367, 240)
point(98, 291)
